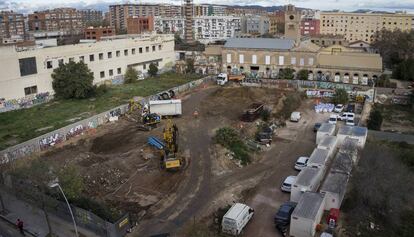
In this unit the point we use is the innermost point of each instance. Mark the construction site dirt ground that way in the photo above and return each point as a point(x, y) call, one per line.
point(119, 168)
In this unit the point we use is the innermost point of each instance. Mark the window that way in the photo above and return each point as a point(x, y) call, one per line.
point(254, 59)
point(228, 58)
point(60, 61)
point(27, 66)
point(49, 64)
point(30, 90)
point(102, 74)
point(133, 51)
point(159, 47)
point(281, 60)
point(101, 56)
point(119, 70)
point(126, 52)
point(144, 66)
point(153, 48)
point(91, 58)
point(82, 58)
point(109, 54)
point(140, 50)
point(302, 62)
point(267, 59)
point(310, 61)
point(241, 58)
point(147, 49)
point(118, 53)
point(71, 59)
point(111, 72)
point(293, 60)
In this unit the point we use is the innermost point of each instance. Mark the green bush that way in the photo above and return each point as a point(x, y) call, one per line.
point(340, 97)
point(286, 73)
point(229, 138)
point(375, 120)
point(303, 74)
point(265, 115)
point(290, 104)
point(131, 75)
point(153, 70)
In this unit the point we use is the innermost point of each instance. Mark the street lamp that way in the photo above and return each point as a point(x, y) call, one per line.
point(56, 184)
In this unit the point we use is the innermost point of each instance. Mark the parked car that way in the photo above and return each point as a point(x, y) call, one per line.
point(333, 119)
point(301, 163)
point(350, 108)
point(350, 122)
point(346, 115)
point(236, 218)
point(295, 116)
point(339, 108)
point(287, 184)
point(282, 216)
point(316, 127)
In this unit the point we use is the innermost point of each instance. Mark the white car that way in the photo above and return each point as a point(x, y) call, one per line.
point(301, 163)
point(295, 116)
point(287, 184)
point(346, 116)
point(333, 119)
point(350, 122)
point(339, 108)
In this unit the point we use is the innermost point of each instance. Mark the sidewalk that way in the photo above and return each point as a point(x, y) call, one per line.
point(34, 219)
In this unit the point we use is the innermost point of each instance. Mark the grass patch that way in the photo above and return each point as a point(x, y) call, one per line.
point(21, 125)
point(229, 138)
point(396, 113)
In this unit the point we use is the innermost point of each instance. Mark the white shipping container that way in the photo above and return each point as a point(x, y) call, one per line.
point(165, 107)
point(329, 143)
point(307, 215)
point(319, 159)
point(308, 179)
point(355, 132)
point(334, 188)
point(326, 129)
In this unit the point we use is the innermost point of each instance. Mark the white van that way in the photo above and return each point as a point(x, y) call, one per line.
point(295, 116)
point(236, 218)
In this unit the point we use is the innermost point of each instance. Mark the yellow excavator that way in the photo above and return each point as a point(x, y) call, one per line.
point(171, 161)
point(139, 113)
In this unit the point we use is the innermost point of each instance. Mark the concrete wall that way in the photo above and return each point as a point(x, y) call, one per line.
point(51, 139)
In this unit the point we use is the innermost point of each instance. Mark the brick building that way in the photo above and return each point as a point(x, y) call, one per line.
point(12, 27)
point(60, 19)
point(138, 25)
point(95, 33)
point(309, 27)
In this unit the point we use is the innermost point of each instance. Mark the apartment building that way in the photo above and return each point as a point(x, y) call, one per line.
point(241, 11)
point(138, 25)
point(90, 16)
point(60, 19)
point(276, 22)
point(209, 10)
point(28, 71)
point(363, 26)
point(12, 27)
point(119, 14)
point(96, 33)
point(256, 25)
point(205, 28)
point(267, 57)
point(309, 27)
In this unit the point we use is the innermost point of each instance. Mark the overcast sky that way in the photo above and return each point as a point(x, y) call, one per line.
point(347, 5)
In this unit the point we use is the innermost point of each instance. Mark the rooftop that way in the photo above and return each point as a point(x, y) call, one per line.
point(318, 156)
point(335, 182)
point(353, 131)
point(326, 127)
point(307, 175)
point(328, 141)
point(342, 163)
point(235, 210)
point(309, 205)
point(260, 43)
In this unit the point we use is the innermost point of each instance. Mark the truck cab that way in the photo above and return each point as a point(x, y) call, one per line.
point(222, 79)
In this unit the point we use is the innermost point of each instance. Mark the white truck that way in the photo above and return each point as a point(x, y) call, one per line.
point(222, 79)
point(165, 107)
point(236, 218)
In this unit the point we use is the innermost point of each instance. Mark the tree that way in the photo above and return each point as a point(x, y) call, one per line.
point(190, 65)
point(286, 73)
point(303, 74)
point(131, 75)
point(340, 97)
point(375, 120)
point(72, 80)
point(71, 182)
point(404, 70)
point(153, 70)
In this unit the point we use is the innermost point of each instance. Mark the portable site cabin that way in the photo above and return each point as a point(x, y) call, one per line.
point(307, 215)
point(355, 132)
point(350, 146)
point(326, 129)
point(329, 143)
point(342, 162)
point(319, 159)
point(308, 179)
point(165, 107)
point(334, 188)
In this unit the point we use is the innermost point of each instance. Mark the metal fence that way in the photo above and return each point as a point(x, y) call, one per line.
point(51, 139)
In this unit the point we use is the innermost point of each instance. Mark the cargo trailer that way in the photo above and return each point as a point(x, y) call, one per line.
point(329, 143)
point(165, 107)
point(326, 129)
point(334, 189)
point(308, 179)
point(319, 159)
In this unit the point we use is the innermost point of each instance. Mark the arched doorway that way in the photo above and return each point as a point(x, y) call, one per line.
point(319, 75)
point(310, 75)
point(364, 80)
point(337, 77)
point(228, 69)
point(346, 78)
point(355, 78)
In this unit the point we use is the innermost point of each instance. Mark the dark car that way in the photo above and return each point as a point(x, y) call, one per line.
point(316, 127)
point(350, 108)
point(282, 216)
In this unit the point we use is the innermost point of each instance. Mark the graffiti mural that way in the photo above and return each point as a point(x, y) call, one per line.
point(75, 131)
point(51, 141)
point(319, 93)
point(17, 153)
point(25, 102)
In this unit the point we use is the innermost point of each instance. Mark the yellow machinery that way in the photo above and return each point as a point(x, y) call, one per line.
point(148, 120)
point(170, 159)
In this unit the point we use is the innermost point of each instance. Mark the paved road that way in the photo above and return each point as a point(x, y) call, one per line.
point(8, 230)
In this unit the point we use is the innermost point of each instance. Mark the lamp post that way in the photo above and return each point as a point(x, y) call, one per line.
point(56, 184)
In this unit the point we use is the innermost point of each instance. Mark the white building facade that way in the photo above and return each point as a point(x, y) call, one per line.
point(205, 28)
point(27, 71)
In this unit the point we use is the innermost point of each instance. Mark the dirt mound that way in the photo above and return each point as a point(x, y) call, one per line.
point(116, 141)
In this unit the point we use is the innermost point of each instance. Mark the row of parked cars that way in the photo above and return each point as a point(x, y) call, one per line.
point(343, 113)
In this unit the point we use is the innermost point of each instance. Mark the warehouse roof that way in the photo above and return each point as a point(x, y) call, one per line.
point(353, 131)
point(327, 127)
point(308, 175)
point(335, 182)
point(309, 205)
point(328, 142)
point(318, 156)
point(260, 43)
